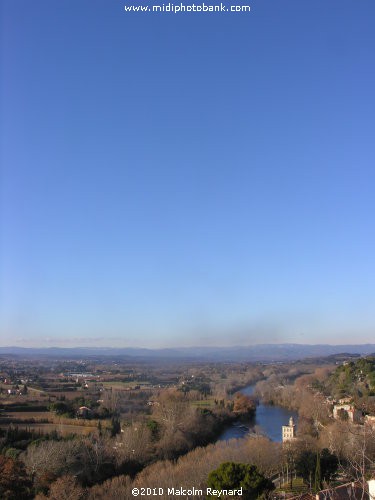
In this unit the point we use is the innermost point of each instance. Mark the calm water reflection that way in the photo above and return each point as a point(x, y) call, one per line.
point(268, 420)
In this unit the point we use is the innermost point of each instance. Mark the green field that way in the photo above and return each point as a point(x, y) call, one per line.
point(204, 403)
point(63, 429)
point(26, 415)
point(126, 385)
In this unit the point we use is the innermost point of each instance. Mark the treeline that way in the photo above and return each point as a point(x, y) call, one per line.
point(355, 379)
point(193, 469)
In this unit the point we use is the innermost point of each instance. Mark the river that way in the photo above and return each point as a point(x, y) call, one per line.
point(268, 419)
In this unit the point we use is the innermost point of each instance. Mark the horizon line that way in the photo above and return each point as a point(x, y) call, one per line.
point(362, 344)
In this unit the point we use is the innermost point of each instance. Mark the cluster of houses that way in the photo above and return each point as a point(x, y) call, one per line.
point(15, 392)
point(13, 389)
point(344, 409)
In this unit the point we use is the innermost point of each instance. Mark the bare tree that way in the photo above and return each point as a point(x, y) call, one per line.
point(134, 443)
point(66, 488)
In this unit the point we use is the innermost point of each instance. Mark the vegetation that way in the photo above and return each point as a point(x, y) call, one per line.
point(317, 467)
point(233, 476)
point(98, 428)
point(354, 378)
point(14, 481)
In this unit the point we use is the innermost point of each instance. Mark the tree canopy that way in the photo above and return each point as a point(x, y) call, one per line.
point(232, 475)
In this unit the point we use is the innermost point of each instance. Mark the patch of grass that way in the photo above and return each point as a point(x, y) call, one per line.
point(298, 486)
point(126, 385)
point(205, 403)
point(62, 429)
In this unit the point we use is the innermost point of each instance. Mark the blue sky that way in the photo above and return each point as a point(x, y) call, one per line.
point(187, 179)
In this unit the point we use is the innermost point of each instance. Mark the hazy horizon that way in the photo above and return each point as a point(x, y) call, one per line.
point(214, 346)
point(171, 180)
point(113, 343)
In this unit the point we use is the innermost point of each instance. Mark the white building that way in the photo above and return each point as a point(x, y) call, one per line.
point(289, 431)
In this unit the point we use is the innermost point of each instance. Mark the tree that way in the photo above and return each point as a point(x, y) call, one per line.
point(14, 481)
point(46, 460)
point(117, 487)
point(305, 465)
point(329, 464)
point(115, 426)
point(154, 428)
point(61, 408)
point(232, 475)
point(66, 488)
point(311, 465)
point(318, 476)
point(343, 415)
point(243, 404)
point(133, 446)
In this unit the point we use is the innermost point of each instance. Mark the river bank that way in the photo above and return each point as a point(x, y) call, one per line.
point(268, 420)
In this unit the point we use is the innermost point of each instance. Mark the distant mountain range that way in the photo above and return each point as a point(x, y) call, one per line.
point(260, 352)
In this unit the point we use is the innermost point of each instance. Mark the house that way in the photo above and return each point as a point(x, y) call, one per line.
point(349, 491)
point(371, 489)
point(370, 420)
point(289, 431)
point(347, 411)
point(84, 412)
